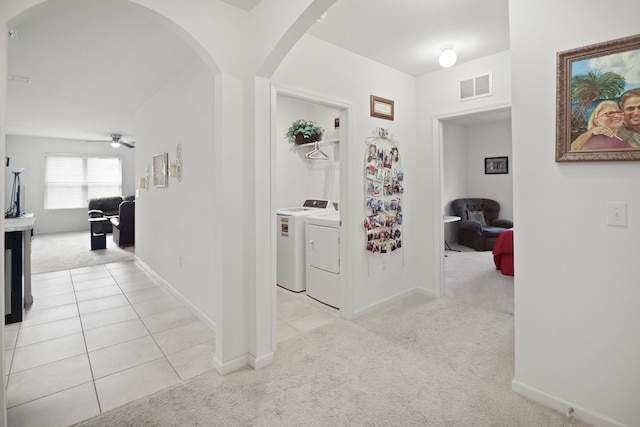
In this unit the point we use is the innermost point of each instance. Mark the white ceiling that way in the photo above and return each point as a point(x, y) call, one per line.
point(243, 4)
point(408, 34)
point(93, 64)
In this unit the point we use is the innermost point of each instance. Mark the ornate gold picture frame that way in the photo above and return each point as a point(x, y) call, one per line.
point(598, 102)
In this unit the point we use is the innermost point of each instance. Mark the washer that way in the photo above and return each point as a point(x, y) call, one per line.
point(323, 258)
point(290, 272)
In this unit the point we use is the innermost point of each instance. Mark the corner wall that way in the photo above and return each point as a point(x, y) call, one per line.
point(175, 231)
point(577, 286)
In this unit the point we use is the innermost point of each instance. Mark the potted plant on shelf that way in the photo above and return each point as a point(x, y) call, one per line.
point(304, 131)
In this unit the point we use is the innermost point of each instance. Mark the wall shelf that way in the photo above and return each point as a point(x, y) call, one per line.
point(324, 141)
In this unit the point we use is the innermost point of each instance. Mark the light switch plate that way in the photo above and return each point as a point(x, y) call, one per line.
point(617, 214)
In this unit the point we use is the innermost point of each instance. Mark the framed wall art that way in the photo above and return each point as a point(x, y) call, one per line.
point(159, 165)
point(598, 102)
point(496, 165)
point(381, 108)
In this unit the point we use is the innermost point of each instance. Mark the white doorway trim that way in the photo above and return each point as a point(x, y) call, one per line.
point(438, 181)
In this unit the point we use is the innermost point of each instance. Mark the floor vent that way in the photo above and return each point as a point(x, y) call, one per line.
point(475, 87)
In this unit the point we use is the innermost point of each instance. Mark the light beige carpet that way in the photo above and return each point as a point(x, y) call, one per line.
point(420, 362)
point(64, 251)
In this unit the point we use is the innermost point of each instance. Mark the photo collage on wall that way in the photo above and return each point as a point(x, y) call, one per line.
point(383, 196)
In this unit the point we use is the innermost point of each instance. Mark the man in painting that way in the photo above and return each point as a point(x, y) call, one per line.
point(629, 103)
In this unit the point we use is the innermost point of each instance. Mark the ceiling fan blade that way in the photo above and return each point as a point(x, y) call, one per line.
point(116, 140)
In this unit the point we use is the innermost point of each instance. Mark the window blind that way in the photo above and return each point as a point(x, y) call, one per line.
point(70, 181)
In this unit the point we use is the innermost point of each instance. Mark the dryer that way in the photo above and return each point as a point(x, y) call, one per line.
point(323, 258)
point(290, 272)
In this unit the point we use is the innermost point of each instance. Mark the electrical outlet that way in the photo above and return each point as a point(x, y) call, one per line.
point(617, 214)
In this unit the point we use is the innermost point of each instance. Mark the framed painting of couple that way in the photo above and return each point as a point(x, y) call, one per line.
point(598, 102)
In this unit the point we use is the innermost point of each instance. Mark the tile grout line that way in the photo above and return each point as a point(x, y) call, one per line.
point(13, 354)
point(15, 347)
point(51, 362)
point(84, 338)
point(84, 331)
point(147, 328)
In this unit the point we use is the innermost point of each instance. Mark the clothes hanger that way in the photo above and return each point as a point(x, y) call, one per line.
point(316, 153)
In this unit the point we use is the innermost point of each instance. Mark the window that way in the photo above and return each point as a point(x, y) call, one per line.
point(70, 181)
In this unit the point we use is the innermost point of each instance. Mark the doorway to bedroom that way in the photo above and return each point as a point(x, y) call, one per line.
point(467, 141)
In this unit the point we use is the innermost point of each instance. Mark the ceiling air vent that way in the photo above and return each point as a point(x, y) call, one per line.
point(475, 87)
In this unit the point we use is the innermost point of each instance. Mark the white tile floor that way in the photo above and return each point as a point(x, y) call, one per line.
point(96, 338)
point(298, 313)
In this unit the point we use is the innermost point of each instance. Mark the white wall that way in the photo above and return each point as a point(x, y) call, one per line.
point(28, 152)
point(576, 283)
point(175, 227)
point(352, 79)
point(298, 178)
point(490, 140)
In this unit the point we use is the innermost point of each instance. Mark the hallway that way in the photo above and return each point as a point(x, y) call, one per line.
point(96, 338)
point(101, 336)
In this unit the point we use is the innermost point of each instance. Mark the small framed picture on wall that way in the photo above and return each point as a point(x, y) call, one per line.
point(159, 165)
point(496, 165)
point(381, 107)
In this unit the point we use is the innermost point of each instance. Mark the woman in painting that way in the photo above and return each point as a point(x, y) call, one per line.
point(602, 129)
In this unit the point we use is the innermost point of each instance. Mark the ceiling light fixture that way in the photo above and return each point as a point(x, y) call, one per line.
point(115, 144)
point(322, 18)
point(448, 56)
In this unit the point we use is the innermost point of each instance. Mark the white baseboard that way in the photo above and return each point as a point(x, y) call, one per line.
point(195, 310)
point(425, 292)
point(262, 361)
point(563, 406)
point(230, 366)
point(221, 368)
point(395, 298)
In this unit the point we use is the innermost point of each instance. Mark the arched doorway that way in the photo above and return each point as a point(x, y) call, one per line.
point(26, 14)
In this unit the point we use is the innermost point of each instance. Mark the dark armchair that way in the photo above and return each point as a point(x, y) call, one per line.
point(124, 226)
point(106, 207)
point(479, 226)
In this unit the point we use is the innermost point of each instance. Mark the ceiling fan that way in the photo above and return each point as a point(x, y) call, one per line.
point(116, 141)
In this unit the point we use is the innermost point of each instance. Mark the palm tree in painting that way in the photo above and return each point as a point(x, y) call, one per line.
point(588, 88)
